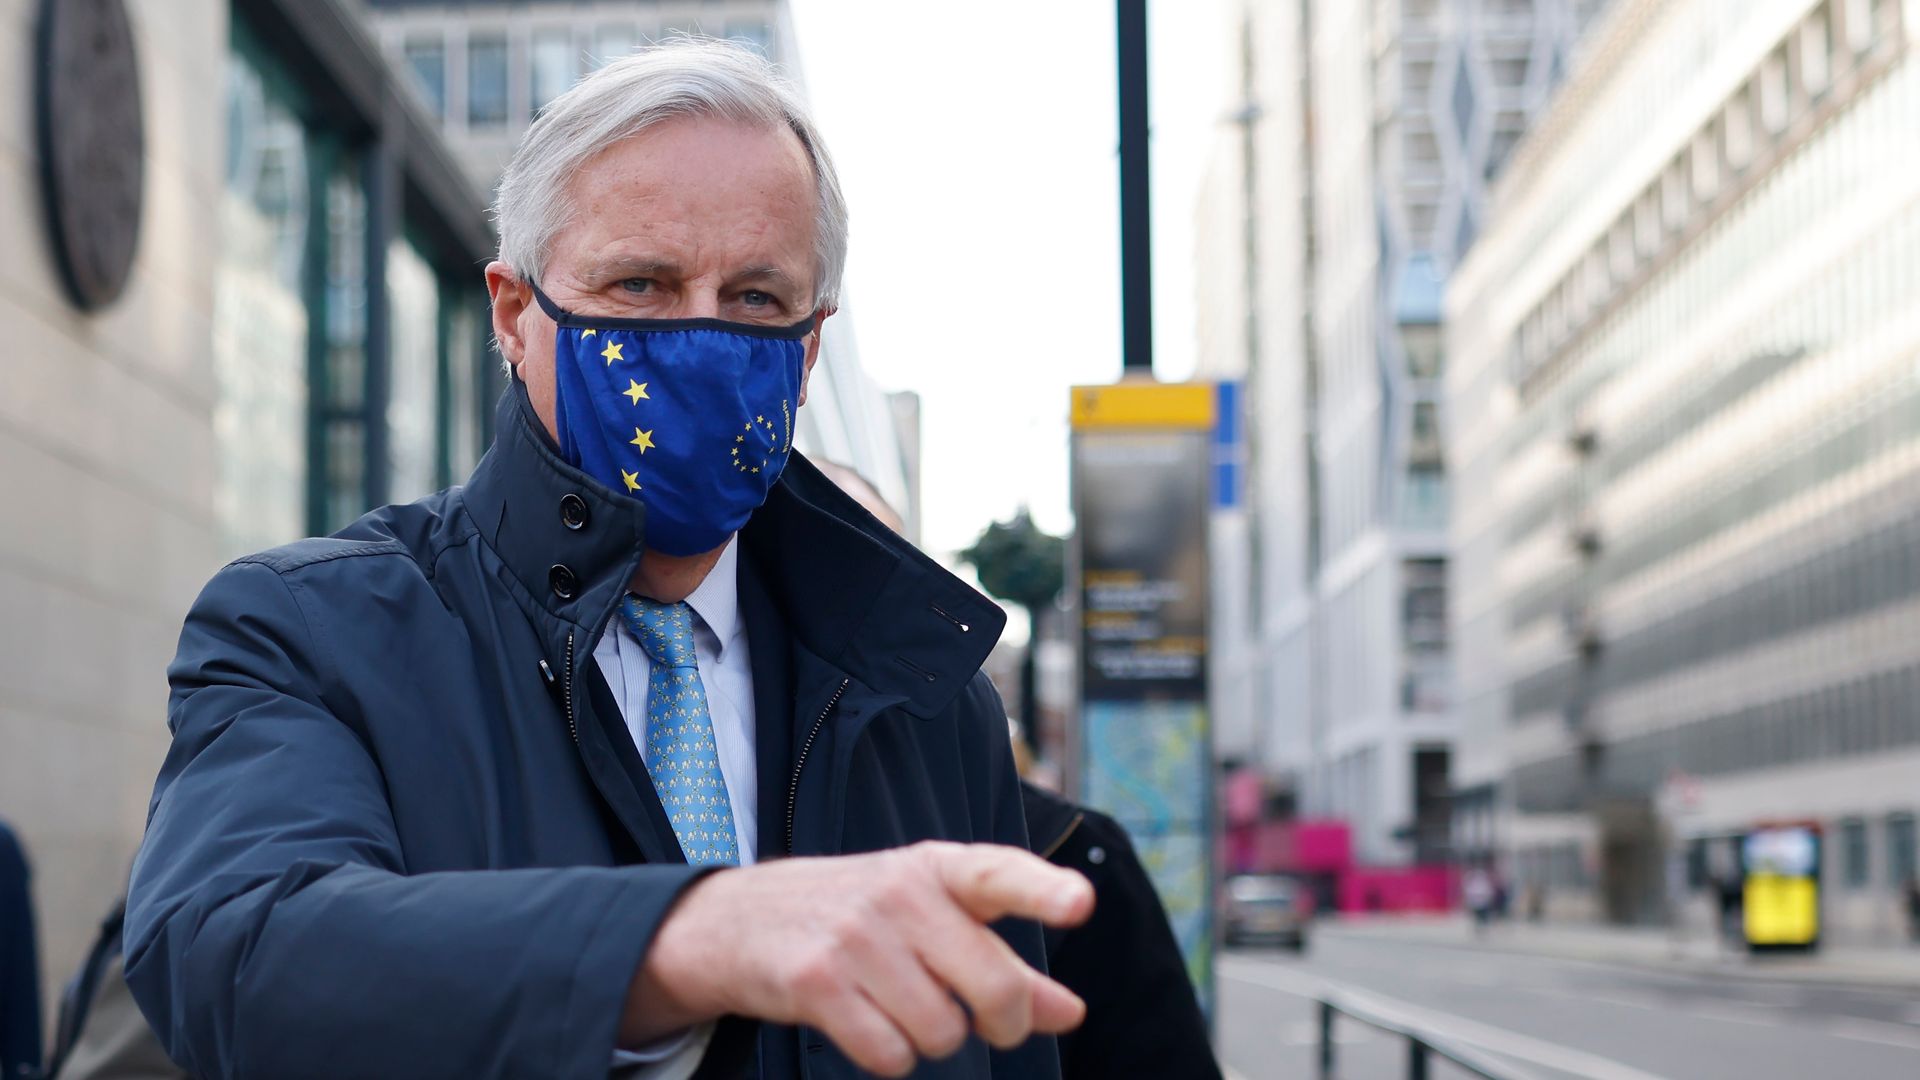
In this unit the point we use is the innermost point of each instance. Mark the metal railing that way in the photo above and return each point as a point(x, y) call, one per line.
point(1422, 1046)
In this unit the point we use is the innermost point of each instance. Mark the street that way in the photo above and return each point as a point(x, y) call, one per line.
point(1552, 1018)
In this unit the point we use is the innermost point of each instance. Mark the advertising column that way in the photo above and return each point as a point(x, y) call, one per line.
point(1142, 464)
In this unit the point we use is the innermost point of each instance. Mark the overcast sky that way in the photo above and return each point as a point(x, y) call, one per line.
point(976, 143)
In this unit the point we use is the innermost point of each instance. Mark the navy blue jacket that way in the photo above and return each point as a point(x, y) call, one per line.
point(402, 829)
point(19, 965)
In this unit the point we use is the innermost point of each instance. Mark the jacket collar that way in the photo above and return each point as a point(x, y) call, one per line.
point(849, 589)
point(864, 600)
point(550, 523)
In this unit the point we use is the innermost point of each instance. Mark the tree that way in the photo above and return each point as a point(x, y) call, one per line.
point(1019, 563)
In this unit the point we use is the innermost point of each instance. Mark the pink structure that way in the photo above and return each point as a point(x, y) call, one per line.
point(1320, 852)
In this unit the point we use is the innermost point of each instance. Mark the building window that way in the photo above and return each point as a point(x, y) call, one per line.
point(1646, 223)
point(1422, 344)
point(1860, 24)
point(1816, 53)
point(341, 411)
point(554, 69)
point(427, 64)
point(1673, 196)
point(487, 80)
point(613, 41)
point(1775, 108)
point(1621, 260)
point(1855, 870)
point(753, 32)
point(1901, 856)
point(260, 315)
point(414, 367)
point(1706, 166)
point(1737, 130)
point(1424, 605)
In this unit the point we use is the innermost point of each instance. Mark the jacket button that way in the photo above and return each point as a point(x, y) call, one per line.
point(573, 511)
point(562, 581)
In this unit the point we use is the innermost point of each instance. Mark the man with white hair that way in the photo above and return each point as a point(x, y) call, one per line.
point(647, 751)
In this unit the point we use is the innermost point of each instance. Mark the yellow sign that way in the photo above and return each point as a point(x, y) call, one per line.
point(1781, 910)
point(1144, 405)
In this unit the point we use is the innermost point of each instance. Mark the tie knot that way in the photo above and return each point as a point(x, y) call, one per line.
point(664, 631)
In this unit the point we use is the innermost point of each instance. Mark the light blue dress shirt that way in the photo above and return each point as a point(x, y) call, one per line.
point(726, 673)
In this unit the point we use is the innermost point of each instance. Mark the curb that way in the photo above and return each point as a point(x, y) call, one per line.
point(1729, 969)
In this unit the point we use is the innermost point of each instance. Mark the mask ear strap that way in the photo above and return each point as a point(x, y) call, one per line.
point(559, 315)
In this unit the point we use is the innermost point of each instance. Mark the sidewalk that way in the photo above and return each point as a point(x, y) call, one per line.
point(1890, 966)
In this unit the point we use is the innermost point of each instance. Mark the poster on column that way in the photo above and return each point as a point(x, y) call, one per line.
point(1140, 472)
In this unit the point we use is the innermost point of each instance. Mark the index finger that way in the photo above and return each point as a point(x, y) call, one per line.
point(991, 881)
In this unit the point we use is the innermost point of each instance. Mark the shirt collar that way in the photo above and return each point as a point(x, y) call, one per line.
point(717, 599)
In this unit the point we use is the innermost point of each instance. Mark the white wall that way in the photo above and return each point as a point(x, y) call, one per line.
point(106, 474)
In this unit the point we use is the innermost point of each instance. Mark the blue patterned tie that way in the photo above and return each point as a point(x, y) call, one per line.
point(681, 756)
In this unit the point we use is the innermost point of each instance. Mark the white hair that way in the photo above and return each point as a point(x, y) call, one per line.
point(687, 76)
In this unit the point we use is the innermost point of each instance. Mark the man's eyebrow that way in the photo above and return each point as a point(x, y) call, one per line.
point(766, 273)
point(622, 268)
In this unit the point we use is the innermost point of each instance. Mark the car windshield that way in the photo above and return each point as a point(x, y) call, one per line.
point(1260, 890)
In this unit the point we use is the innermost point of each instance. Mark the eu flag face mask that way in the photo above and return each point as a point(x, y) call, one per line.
point(693, 417)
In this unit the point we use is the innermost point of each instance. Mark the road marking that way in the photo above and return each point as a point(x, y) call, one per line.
point(1485, 1036)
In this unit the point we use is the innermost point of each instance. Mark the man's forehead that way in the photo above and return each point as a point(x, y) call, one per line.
point(692, 182)
point(684, 147)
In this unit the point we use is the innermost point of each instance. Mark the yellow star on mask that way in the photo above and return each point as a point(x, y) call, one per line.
point(642, 439)
point(636, 391)
point(589, 333)
point(612, 352)
point(631, 479)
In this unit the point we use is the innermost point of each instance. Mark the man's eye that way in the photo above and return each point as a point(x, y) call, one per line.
point(756, 298)
point(638, 285)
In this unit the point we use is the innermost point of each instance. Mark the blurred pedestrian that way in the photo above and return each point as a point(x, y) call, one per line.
point(502, 783)
point(19, 964)
point(1476, 891)
point(1728, 897)
point(1913, 907)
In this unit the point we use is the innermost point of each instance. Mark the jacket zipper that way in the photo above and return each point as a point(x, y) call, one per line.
point(800, 759)
point(567, 693)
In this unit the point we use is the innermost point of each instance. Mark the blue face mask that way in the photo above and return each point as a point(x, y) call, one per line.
point(693, 417)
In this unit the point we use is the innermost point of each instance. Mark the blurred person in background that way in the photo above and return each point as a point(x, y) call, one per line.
point(503, 783)
point(1143, 1018)
point(19, 964)
point(1477, 893)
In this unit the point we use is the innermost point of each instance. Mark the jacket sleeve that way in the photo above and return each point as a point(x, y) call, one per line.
point(19, 963)
point(272, 928)
point(1038, 1056)
point(1143, 1017)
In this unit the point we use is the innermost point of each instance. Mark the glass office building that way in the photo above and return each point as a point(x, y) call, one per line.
point(1686, 403)
point(1368, 136)
point(348, 314)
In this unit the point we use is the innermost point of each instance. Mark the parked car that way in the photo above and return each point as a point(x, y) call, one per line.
point(1267, 909)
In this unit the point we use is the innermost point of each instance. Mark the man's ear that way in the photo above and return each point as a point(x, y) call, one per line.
point(510, 299)
point(813, 350)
